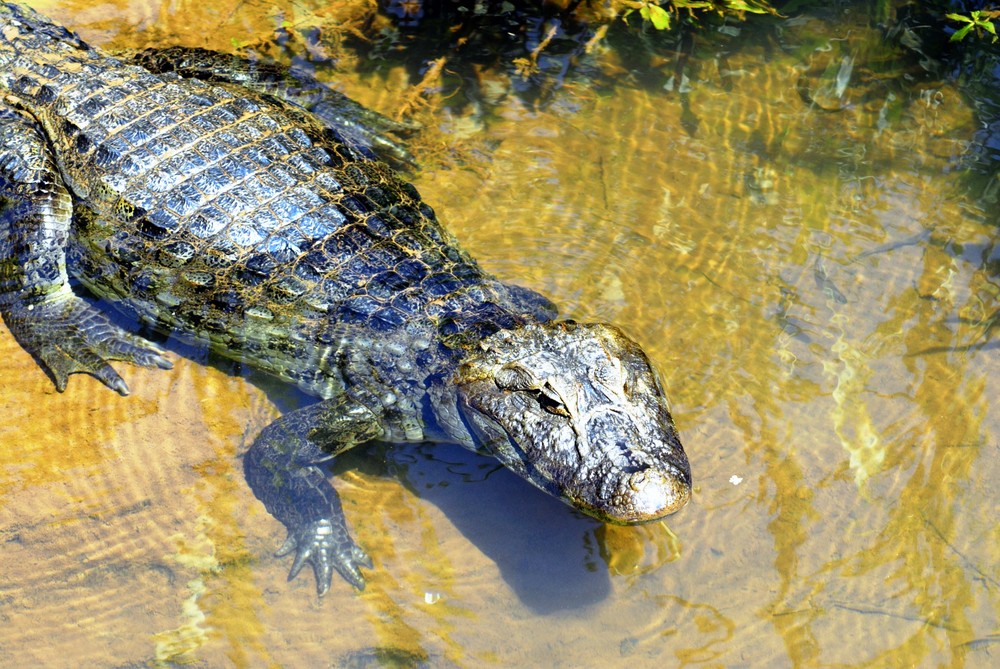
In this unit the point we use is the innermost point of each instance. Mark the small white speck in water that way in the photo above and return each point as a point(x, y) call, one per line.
point(735, 480)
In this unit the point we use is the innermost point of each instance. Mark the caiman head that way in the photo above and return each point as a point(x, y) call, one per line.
point(577, 410)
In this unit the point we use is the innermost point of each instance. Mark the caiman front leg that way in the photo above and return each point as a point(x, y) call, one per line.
point(361, 128)
point(282, 469)
point(60, 330)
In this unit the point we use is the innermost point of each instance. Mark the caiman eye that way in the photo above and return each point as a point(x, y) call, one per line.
point(514, 378)
point(549, 402)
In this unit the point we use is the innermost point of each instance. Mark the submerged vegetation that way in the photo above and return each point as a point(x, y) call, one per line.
point(539, 44)
point(464, 58)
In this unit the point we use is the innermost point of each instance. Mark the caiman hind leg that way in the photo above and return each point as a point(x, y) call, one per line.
point(60, 330)
point(364, 130)
point(282, 468)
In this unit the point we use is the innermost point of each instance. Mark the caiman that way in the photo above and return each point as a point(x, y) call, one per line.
point(238, 205)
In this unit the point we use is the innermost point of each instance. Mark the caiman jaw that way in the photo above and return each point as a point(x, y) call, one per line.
point(576, 410)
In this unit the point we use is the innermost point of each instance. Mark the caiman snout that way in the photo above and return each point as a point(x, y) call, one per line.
point(638, 471)
point(649, 495)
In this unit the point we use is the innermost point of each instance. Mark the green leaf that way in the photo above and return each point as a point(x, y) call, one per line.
point(740, 6)
point(656, 15)
point(958, 17)
point(960, 33)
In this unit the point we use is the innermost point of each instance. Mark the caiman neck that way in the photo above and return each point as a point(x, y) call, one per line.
point(475, 312)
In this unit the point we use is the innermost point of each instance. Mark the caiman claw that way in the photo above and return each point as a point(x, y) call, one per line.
point(326, 547)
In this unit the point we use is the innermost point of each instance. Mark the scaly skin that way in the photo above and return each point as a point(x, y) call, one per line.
point(179, 187)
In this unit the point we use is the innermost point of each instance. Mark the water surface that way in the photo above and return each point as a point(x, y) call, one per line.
point(806, 263)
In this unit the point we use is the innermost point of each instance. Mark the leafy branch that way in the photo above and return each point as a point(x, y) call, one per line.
point(977, 20)
point(658, 12)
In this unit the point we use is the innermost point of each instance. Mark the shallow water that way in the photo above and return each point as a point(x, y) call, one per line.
point(813, 283)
